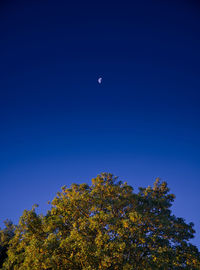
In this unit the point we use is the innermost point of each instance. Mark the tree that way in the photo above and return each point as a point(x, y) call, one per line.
point(105, 226)
point(5, 236)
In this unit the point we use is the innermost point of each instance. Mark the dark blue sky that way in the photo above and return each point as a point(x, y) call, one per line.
point(58, 125)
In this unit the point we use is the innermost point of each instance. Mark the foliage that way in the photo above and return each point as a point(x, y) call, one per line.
point(104, 226)
point(5, 236)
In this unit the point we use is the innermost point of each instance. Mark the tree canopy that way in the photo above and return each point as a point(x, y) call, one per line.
point(5, 236)
point(104, 226)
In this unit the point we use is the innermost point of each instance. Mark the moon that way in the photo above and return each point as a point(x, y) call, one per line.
point(100, 80)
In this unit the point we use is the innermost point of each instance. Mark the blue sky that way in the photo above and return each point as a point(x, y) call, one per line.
point(59, 126)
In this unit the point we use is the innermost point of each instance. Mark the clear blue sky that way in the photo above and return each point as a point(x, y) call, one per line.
point(58, 125)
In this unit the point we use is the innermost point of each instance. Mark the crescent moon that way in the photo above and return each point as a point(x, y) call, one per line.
point(100, 80)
